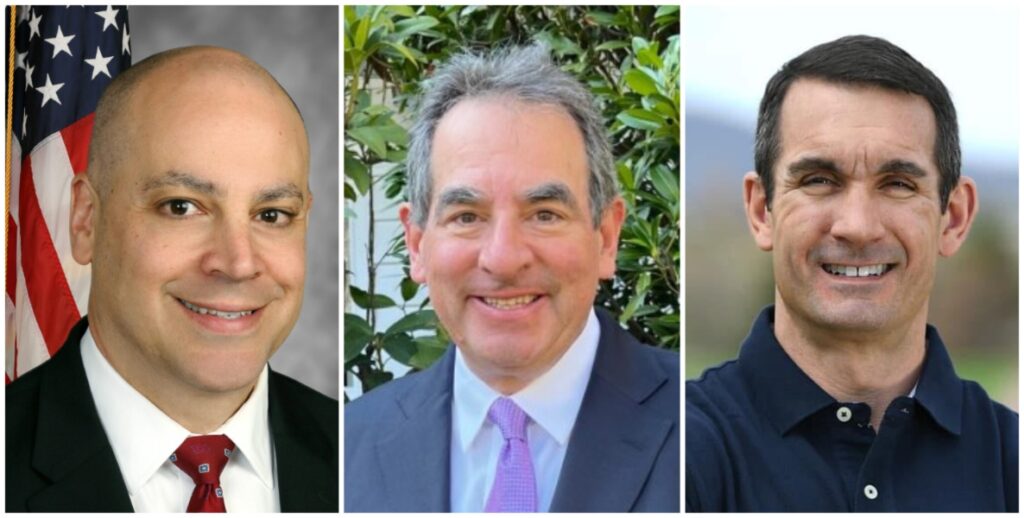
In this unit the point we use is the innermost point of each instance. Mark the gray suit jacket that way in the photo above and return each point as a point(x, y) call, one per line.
point(623, 453)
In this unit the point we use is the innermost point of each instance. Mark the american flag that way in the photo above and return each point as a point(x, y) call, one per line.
point(64, 57)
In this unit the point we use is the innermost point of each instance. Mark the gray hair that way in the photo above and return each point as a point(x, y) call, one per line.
point(527, 74)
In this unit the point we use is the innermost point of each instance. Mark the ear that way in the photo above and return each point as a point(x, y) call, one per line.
point(611, 226)
point(413, 238)
point(956, 222)
point(755, 202)
point(84, 213)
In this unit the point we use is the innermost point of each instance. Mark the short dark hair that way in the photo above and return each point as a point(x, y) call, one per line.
point(864, 61)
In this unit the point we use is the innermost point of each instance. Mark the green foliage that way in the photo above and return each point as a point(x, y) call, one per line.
point(629, 58)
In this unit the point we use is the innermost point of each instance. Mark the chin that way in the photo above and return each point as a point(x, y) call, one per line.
point(857, 318)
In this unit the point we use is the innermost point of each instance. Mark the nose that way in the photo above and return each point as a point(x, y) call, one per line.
point(505, 251)
point(858, 218)
point(232, 252)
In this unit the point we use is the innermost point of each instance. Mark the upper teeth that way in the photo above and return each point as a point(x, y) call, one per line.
point(855, 271)
point(221, 314)
point(509, 303)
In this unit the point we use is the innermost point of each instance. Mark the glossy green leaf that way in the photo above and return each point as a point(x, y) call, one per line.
point(612, 45)
point(666, 10)
point(357, 335)
point(425, 319)
point(365, 301)
point(640, 119)
point(665, 182)
point(412, 26)
point(639, 82)
point(357, 172)
point(409, 288)
point(428, 351)
point(399, 346)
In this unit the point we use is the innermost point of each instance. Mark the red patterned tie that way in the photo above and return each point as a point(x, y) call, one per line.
point(203, 458)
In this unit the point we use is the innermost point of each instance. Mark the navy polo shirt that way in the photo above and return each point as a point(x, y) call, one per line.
point(761, 436)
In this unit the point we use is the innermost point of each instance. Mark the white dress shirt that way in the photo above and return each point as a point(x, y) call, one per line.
point(143, 438)
point(551, 401)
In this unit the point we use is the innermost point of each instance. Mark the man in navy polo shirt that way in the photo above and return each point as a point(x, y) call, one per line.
point(843, 398)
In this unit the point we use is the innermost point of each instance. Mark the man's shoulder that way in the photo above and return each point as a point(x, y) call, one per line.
point(382, 404)
point(977, 404)
point(717, 386)
point(301, 403)
point(22, 410)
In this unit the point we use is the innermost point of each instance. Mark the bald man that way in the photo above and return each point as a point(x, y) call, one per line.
point(193, 214)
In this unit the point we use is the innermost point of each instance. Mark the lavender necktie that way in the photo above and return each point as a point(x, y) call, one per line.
point(515, 487)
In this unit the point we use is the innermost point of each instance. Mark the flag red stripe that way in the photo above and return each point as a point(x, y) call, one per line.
point(12, 252)
point(76, 140)
point(48, 289)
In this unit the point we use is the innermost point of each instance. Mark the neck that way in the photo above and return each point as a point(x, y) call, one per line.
point(198, 411)
point(870, 366)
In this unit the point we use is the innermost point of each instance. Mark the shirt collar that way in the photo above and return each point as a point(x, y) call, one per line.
point(789, 396)
point(552, 400)
point(143, 437)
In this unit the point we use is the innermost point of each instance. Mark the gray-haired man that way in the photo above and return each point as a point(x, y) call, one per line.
point(542, 403)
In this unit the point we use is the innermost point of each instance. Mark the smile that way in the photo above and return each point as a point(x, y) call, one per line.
point(874, 270)
point(509, 303)
point(228, 315)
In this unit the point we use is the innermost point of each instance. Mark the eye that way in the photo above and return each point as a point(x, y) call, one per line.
point(818, 180)
point(466, 218)
point(547, 216)
point(274, 217)
point(898, 183)
point(179, 208)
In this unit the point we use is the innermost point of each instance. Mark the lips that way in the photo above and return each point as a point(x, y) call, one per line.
point(509, 303)
point(851, 271)
point(218, 313)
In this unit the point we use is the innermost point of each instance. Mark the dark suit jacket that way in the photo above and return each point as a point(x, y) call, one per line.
point(623, 453)
point(59, 458)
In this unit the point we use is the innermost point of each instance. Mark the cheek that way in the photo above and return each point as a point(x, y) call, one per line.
point(284, 259)
point(446, 258)
point(574, 259)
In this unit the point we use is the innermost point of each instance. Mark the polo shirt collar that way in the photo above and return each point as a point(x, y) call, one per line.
point(939, 390)
point(778, 386)
point(789, 396)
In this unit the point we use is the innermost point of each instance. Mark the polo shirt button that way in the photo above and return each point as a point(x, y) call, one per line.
point(871, 492)
point(844, 414)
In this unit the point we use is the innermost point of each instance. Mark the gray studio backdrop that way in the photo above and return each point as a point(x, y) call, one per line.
point(299, 46)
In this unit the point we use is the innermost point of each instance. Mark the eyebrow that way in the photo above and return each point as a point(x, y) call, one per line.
point(284, 191)
point(552, 191)
point(894, 166)
point(206, 187)
point(903, 167)
point(457, 196)
point(812, 164)
point(179, 179)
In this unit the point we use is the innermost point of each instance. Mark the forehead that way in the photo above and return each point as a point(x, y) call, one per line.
point(855, 122)
point(223, 128)
point(499, 142)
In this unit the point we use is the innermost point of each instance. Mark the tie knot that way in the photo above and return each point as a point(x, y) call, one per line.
point(509, 418)
point(203, 457)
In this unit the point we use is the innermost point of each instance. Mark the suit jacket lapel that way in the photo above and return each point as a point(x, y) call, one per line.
point(307, 477)
point(71, 448)
point(415, 457)
point(615, 441)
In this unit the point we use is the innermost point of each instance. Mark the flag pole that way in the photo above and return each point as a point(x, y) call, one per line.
point(10, 117)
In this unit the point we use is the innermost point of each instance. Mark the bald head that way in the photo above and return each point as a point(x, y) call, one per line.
point(136, 96)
